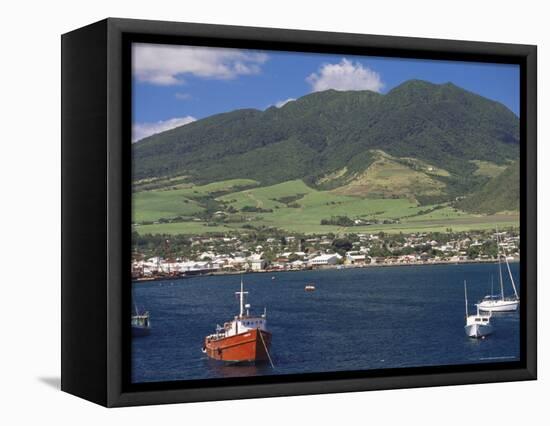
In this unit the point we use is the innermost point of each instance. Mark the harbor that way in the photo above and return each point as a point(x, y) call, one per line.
point(357, 318)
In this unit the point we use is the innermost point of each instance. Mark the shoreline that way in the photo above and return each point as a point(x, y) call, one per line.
point(324, 268)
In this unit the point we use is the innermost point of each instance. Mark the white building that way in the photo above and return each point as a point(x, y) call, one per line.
point(207, 255)
point(325, 259)
point(297, 264)
point(290, 253)
point(355, 258)
point(257, 265)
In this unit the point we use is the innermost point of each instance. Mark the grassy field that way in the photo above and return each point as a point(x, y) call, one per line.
point(231, 184)
point(390, 177)
point(186, 228)
point(464, 224)
point(267, 196)
point(168, 203)
point(317, 205)
point(487, 222)
point(446, 213)
point(486, 168)
point(295, 207)
point(153, 205)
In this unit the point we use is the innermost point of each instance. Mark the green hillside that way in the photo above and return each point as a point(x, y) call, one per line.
point(292, 206)
point(392, 177)
point(500, 194)
point(329, 139)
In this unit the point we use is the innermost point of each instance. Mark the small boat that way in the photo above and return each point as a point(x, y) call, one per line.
point(479, 325)
point(493, 303)
point(141, 324)
point(244, 339)
point(309, 287)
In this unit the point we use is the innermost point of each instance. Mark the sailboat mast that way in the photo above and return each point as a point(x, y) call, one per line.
point(510, 273)
point(466, 298)
point(512, 279)
point(500, 268)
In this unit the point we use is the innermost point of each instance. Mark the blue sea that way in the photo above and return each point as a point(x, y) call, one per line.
point(357, 319)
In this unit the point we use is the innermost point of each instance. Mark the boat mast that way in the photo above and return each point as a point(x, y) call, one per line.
point(500, 268)
point(466, 298)
point(241, 298)
point(510, 273)
point(512, 279)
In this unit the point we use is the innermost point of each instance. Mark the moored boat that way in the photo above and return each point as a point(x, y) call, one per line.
point(479, 325)
point(493, 303)
point(244, 339)
point(309, 287)
point(141, 324)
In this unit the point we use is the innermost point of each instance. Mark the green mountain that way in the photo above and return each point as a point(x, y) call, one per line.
point(331, 139)
point(501, 193)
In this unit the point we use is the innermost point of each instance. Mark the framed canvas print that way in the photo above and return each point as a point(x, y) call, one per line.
point(252, 212)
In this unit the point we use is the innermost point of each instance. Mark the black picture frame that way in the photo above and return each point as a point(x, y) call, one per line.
point(96, 209)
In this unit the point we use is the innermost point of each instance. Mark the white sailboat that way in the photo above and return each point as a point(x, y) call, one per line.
point(478, 325)
point(493, 303)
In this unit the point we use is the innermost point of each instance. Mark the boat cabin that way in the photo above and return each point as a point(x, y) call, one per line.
point(141, 320)
point(245, 323)
point(478, 319)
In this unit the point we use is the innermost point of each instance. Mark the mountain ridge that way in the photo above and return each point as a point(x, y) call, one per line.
point(323, 132)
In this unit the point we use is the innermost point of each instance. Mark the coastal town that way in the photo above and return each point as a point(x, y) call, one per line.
point(158, 257)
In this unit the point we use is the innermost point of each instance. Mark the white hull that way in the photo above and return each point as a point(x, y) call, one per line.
point(478, 330)
point(498, 305)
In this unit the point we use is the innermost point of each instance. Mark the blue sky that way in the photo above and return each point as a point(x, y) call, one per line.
point(175, 85)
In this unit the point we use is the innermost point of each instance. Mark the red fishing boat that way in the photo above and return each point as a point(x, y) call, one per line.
point(244, 339)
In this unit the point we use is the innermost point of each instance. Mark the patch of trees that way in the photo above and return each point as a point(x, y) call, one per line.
point(288, 199)
point(253, 209)
point(488, 248)
point(338, 221)
point(342, 245)
point(425, 211)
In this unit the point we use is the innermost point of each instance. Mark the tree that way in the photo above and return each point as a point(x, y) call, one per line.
point(293, 257)
point(473, 252)
point(341, 245)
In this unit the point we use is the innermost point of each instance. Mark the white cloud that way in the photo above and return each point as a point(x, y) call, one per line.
point(281, 104)
point(166, 65)
point(142, 130)
point(345, 75)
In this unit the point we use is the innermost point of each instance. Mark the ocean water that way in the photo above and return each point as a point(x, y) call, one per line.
point(369, 318)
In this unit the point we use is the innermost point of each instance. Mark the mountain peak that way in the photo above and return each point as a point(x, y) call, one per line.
point(414, 84)
point(333, 93)
point(441, 124)
point(426, 88)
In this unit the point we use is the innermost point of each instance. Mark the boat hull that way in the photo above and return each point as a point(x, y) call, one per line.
point(499, 306)
point(477, 331)
point(252, 345)
point(140, 331)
